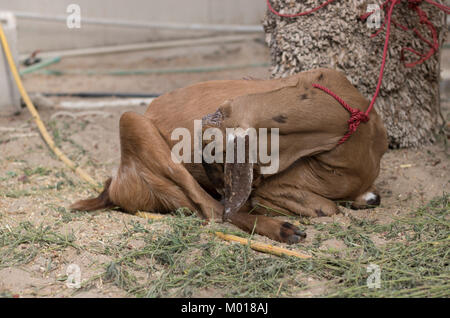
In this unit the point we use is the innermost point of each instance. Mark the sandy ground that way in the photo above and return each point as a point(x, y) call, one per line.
point(36, 187)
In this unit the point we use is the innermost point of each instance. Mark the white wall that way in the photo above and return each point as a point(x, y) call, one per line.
point(46, 35)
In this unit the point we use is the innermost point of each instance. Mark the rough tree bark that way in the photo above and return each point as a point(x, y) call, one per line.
point(335, 37)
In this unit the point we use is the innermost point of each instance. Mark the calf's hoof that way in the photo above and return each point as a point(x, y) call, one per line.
point(291, 234)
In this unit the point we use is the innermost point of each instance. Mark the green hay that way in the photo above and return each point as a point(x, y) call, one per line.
point(21, 244)
point(178, 257)
point(414, 264)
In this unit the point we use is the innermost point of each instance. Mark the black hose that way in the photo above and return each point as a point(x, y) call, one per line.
point(101, 95)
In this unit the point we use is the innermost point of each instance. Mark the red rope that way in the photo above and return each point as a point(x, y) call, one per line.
point(356, 115)
point(434, 45)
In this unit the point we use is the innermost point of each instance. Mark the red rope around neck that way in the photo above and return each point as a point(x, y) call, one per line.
point(356, 115)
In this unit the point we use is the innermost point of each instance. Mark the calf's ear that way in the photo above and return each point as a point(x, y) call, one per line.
point(238, 180)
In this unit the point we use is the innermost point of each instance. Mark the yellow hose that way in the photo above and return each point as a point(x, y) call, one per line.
point(266, 248)
point(37, 118)
point(261, 247)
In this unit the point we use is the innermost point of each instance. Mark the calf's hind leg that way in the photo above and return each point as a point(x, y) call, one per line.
point(148, 179)
point(172, 186)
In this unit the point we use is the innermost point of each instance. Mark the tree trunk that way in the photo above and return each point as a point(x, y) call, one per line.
point(335, 37)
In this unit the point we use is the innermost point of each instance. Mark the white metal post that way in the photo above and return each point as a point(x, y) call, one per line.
point(9, 94)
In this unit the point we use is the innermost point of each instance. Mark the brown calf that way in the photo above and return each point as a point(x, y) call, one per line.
point(313, 169)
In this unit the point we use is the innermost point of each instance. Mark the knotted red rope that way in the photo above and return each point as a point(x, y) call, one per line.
point(356, 115)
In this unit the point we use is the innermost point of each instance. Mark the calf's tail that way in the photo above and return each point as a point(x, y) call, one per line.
point(101, 202)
